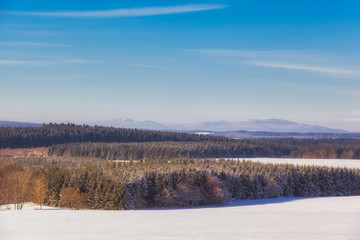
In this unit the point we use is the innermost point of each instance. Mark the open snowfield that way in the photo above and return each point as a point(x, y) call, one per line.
point(292, 218)
point(349, 163)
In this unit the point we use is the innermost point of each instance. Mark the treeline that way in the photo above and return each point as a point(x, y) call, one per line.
point(50, 134)
point(115, 143)
point(111, 185)
point(170, 150)
point(318, 141)
point(208, 149)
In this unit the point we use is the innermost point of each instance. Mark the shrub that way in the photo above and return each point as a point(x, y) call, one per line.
point(71, 198)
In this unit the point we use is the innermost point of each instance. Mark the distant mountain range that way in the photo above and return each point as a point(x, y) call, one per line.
point(129, 123)
point(19, 124)
point(259, 125)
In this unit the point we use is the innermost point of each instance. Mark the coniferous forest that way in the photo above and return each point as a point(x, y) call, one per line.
point(115, 143)
point(108, 168)
point(88, 183)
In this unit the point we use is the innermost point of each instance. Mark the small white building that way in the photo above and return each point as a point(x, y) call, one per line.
point(203, 133)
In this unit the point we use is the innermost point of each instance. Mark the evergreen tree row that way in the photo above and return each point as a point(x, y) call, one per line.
point(112, 185)
point(50, 134)
point(169, 150)
point(204, 149)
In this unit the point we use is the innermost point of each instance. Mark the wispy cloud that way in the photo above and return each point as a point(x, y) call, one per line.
point(31, 62)
point(56, 78)
point(33, 44)
point(352, 119)
point(293, 60)
point(253, 54)
point(117, 13)
point(144, 66)
point(69, 61)
point(356, 112)
point(18, 62)
point(156, 67)
point(321, 69)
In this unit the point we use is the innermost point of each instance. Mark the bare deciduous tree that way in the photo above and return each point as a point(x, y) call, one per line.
point(71, 198)
point(19, 187)
point(39, 189)
point(4, 189)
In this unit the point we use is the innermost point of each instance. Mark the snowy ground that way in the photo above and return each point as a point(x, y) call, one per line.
point(292, 218)
point(349, 163)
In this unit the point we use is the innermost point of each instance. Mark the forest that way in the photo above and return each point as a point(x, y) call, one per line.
point(114, 143)
point(89, 183)
point(168, 150)
point(50, 134)
point(109, 168)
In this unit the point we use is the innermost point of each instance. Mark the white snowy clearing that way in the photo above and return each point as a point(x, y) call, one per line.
point(291, 218)
point(349, 163)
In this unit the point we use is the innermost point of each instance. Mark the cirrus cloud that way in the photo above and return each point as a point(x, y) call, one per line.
point(34, 62)
point(118, 13)
point(322, 69)
point(291, 60)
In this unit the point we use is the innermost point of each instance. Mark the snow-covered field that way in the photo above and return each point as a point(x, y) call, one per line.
point(292, 218)
point(349, 163)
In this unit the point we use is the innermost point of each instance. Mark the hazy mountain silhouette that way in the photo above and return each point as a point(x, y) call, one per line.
point(266, 125)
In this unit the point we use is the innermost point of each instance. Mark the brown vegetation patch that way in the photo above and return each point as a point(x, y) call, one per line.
point(25, 152)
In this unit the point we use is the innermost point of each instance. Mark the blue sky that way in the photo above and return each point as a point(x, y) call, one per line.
point(180, 61)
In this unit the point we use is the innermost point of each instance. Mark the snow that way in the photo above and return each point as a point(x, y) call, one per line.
point(284, 218)
point(26, 207)
point(349, 163)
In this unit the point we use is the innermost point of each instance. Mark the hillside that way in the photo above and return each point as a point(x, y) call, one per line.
point(115, 143)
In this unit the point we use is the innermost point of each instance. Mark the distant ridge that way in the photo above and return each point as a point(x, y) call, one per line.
point(269, 125)
point(129, 123)
point(248, 134)
point(255, 125)
point(19, 124)
point(260, 125)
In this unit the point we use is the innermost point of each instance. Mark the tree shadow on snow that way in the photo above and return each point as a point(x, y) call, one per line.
point(237, 203)
point(263, 201)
